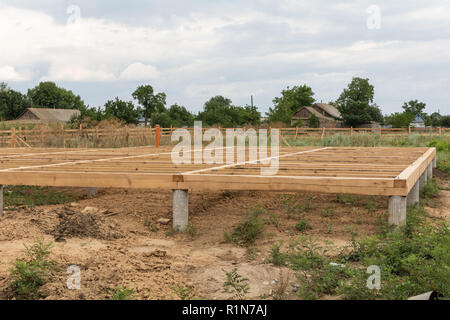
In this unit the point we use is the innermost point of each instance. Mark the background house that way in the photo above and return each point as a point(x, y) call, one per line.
point(418, 122)
point(329, 116)
point(43, 115)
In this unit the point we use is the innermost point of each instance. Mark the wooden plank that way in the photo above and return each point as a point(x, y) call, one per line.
point(413, 172)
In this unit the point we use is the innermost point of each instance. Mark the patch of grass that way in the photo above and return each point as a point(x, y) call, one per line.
point(413, 259)
point(251, 253)
point(34, 196)
point(227, 194)
point(325, 281)
point(371, 205)
point(303, 225)
point(346, 199)
point(236, 285)
point(430, 189)
point(246, 232)
point(122, 293)
point(306, 254)
point(291, 206)
point(184, 293)
point(328, 212)
point(277, 257)
point(29, 274)
point(274, 220)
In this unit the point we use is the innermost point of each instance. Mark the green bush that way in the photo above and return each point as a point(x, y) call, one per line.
point(29, 274)
point(430, 190)
point(122, 293)
point(413, 259)
point(246, 233)
point(236, 285)
point(303, 225)
point(277, 257)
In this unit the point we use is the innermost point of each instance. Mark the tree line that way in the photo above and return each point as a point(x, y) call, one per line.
point(356, 105)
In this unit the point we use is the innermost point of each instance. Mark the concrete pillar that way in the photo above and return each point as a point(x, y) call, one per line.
point(413, 196)
point(91, 192)
point(180, 210)
point(430, 171)
point(397, 210)
point(1, 200)
point(423, 179)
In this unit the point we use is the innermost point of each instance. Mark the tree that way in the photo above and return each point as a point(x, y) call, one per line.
point(12, 103)
point(399, 119)
point(122, 110)
point(415, 108)
point(434, 119)
point(445, 121)
point(180, 116)
point(49, 95)
point(162, 119)
point(313, 121)
point(149, 101)
point(291, 101)
point(220, 111)
point(354, 103)
point(299, 123)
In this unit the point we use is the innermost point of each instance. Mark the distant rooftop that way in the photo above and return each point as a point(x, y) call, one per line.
point(49, 115)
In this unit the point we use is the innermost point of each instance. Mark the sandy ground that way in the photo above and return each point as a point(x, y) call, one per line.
point(116, 240)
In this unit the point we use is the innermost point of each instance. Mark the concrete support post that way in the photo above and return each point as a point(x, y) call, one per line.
point(1, 200)
point(423, 179)
point(397, 210)
point(413, 196)
point(434, 162)
point(91, 192)
point(430, 171)
point(180, 210)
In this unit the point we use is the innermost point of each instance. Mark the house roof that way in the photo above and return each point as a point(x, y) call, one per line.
point(53, 115)
point(418, 118)
point(330, 109)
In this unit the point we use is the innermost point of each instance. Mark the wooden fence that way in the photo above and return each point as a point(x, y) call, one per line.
point(123, 137)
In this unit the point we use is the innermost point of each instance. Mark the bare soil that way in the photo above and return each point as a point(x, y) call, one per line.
point(116, 240)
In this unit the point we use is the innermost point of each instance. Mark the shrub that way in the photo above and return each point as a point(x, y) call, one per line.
point(236, 285)
point(30, 274)
point(184, 293)
point(247, 231)
point(303, 225)
point(121, 293)
point(430, 190)
point(277, 257)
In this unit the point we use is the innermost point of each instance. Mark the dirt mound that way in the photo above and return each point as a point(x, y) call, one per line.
point(84, 224)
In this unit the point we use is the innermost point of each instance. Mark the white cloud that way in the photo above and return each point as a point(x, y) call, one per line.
point(76, 73)
point(139, 72)
point(9, 73)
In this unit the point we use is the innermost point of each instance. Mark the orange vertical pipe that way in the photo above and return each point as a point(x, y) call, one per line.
point(157, 136)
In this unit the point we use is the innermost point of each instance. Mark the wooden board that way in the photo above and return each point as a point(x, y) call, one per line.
point(371, 171)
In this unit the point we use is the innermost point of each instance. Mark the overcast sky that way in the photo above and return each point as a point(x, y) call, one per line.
point(193, 50)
